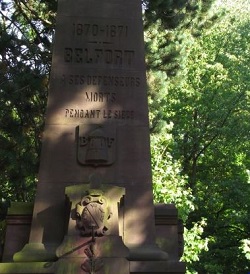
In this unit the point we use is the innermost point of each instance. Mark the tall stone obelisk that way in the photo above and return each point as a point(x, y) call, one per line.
point(96, 136)
point(97, 86)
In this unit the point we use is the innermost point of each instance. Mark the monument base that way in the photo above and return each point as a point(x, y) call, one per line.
point(169, 267)
point(28, 268)
point(110, 265)
point(137, 260)
point(97, 266)
point(147, 253)
point(36, 252)
point(106, 246)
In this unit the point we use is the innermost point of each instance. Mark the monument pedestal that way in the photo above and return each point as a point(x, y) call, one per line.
point(36, 252)
point(169, 239)
point(92, 243)
point(18, 223)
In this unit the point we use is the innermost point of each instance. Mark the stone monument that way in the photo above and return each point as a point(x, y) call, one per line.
point(94, 210)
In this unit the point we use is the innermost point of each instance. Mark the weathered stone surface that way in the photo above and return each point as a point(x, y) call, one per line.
point(18, 223)
point(104, 247)
point(95, 157)
point(170, 267)
point(167, 226)
point(27, 268)
point(104, 198)
point(36, 252)
point(166, 221)
point(98, 266)
point(98, 70)
point(97, 116)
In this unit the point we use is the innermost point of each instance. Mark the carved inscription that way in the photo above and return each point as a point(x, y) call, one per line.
point(100, 97)
point(99, 114)
point(97, 30)
point(99, 56)
point(81, 113)
point(101, 80)
point(99, 44)
point(98, 37)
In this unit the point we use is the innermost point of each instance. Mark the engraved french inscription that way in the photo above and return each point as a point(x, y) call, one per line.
point(99, 56)
point(82, 113)
point(99, 114)
point(100, 97)
point(101, 80)
point(100, 69)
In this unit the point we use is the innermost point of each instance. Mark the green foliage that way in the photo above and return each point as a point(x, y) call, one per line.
point(26, 32)
point(169, 185)
point(195, 243)
point(166, 24)
point(206, 101)
point(246, 248)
